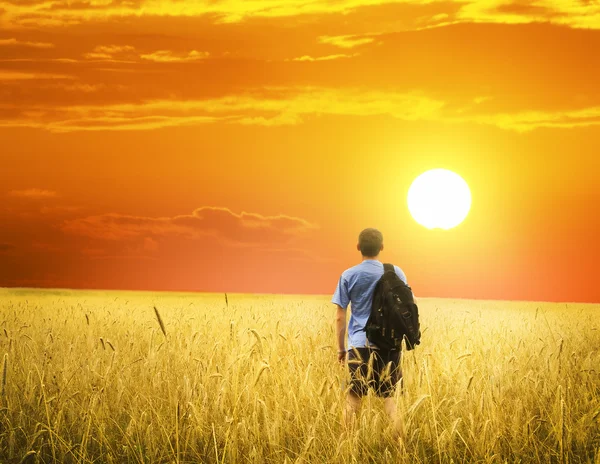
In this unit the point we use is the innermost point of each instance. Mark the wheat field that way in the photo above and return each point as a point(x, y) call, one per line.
point(104, 377)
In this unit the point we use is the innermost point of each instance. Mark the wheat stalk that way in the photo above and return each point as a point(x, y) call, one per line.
point(4, 370)
point(160, 322)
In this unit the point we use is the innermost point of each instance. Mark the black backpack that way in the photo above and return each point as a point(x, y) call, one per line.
point(394, 314)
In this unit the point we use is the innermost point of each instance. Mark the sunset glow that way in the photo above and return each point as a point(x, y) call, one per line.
point(241, 146)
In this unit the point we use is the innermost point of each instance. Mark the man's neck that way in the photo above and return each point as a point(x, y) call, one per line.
point(370, 258)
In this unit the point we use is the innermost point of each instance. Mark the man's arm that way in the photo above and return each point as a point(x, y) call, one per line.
point(341, 299)
point(340, 331)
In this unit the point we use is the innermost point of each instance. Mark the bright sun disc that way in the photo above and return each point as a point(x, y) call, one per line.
point(439, 199)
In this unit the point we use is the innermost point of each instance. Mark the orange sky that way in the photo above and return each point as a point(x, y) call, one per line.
point(241, 146)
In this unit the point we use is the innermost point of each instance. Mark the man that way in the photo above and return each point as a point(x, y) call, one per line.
point(356, 287)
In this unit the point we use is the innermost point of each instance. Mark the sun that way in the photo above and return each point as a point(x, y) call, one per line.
point(439, 199)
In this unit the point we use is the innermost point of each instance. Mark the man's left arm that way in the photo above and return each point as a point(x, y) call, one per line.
point(341, 299)
point(340, 331)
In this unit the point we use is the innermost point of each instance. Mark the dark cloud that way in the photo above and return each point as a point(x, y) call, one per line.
point(221, 223)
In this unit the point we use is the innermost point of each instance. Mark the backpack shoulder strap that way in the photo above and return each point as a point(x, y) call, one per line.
point(388, 267)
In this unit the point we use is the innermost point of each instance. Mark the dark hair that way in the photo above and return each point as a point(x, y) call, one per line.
point(370, 241)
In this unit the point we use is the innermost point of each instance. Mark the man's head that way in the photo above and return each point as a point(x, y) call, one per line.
point(370, 243)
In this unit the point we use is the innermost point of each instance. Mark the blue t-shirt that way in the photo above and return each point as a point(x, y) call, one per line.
point(356, 286)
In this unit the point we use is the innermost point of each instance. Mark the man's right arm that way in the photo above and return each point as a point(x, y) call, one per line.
point(400, 273)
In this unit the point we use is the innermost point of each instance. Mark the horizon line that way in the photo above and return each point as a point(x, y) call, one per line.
point(49, 289)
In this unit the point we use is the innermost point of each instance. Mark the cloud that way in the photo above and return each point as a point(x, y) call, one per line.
point(57, 13)
point(345, 41)
point(19, 43)
point(22, 76)
point(112, 49)
point(526, 121)
point(221, 223)
point(129, 54)
point(109, 52)
point(167, 56)
point(582, 14)
point(40, 60)
point(60, 12)
point(291, 106)
point(33, 194)
point(323, 58)
point(276, 106)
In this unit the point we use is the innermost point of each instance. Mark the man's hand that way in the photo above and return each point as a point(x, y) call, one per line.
point(342, 356)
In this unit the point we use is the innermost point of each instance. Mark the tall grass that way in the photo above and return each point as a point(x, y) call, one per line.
point(91, 377)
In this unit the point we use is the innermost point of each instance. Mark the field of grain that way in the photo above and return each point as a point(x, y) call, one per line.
point(91, 377)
